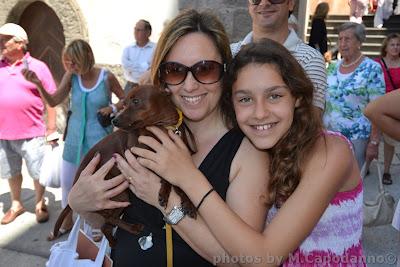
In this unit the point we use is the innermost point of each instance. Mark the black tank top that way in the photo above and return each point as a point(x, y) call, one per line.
point(216, 167)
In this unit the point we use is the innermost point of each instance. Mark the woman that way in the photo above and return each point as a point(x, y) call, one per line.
point(314, 191)
point(90, 89)
point(318, 36)
point(352, 84)
point(189, 63)
point(358, 8)
point(390, 64)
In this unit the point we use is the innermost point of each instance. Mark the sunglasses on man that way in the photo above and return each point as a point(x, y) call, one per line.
point(205, 72)
point(274, 2)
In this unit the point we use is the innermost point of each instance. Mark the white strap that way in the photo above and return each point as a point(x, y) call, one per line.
point(72, 241)
point(102, 252)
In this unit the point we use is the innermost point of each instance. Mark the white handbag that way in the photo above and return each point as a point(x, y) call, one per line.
point(51, 166)
point(380, 210)
point(65, 253)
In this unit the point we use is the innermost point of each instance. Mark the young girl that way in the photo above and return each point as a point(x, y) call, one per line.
point(315, 190)
point(90, 88)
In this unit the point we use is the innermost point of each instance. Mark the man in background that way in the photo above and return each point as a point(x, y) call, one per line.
point(270, 20)
point(136, 58)
point(22, 128)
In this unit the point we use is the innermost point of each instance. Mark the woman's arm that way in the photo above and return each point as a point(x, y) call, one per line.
point(114, 87)
point(245, 196)
point(52, 99)
point(325, 172)
point(384, 112)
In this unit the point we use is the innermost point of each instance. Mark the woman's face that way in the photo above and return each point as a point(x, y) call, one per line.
point(196, 100)
point(263, 104)
point(393, 47)
point(349, 45)
point(71, 65)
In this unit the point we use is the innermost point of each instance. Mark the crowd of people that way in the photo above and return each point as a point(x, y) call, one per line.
point(280, 139)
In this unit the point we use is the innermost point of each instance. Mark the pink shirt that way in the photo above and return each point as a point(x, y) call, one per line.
point(21, 107)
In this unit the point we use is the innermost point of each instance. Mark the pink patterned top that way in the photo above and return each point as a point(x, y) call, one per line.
point(336, 239)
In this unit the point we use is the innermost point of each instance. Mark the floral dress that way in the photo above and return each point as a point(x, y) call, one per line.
point(347, 98)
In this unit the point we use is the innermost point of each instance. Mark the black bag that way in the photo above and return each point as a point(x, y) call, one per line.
point(105, 120)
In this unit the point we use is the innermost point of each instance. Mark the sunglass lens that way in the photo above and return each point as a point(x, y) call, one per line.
point(172, 73)
point(274, 2)
point(255, 2)
point(208, 72)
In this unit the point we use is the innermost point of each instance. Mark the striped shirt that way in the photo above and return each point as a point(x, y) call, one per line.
point(310, 59)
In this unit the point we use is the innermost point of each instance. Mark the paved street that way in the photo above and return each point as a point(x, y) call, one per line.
point(23, 242)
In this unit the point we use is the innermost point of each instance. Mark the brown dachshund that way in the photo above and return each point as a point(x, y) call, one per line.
point(144, 106)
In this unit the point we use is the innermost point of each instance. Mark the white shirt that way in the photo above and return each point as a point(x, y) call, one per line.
point(136, 60)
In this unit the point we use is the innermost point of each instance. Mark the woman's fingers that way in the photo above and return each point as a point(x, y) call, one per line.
point(133, 161)
point(150, 142)
point(160, 134)
point(91, 167)
point(144, 153)
point(103, 170)
point(177, 139)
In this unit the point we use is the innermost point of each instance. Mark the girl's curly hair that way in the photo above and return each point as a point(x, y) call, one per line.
point(290, 153)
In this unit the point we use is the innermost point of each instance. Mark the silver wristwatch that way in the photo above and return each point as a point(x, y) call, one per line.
point(174, 216)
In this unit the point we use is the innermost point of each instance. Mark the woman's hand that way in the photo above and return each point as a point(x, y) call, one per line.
point(31, 77)
point(171, 158)
point(105, 111)
point(142, 182)
point(372, 152)
point(92, 192)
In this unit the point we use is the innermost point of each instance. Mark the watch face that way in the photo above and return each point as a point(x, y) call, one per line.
point(175, 215)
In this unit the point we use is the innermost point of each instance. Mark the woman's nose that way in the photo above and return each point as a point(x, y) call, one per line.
point(190, 83)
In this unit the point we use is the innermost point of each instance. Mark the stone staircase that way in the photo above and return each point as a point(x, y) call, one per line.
point(371, 47)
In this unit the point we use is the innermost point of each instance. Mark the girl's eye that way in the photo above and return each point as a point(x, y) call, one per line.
point(244, 99)
point(274, 97)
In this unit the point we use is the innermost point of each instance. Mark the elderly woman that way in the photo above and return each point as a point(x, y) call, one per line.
point(390, 63)
point(352, 84)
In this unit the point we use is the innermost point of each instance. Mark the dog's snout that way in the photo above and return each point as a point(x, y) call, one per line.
point(115, 122)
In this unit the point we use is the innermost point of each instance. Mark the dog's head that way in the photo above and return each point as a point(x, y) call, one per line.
point(146, 105)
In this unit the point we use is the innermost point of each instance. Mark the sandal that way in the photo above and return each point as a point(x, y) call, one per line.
point(387, 179)
point(61, 232)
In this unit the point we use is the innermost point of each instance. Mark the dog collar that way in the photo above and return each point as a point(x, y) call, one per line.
point(175, 128)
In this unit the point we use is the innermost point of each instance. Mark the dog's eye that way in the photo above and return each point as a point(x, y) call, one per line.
point(136, 101)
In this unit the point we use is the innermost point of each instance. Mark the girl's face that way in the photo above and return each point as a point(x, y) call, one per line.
point(196, 100)
point(263, 104)
point(393, 47)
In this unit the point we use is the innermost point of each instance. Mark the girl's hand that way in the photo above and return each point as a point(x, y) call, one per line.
point(171, 158)
point(142, 182)
point(92, 192)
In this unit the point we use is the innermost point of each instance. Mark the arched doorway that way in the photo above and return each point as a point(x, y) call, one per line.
point(46, 36)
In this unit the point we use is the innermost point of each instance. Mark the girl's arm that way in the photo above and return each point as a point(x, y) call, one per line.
point(245, 196)
point(51, 99)
point(325, 172)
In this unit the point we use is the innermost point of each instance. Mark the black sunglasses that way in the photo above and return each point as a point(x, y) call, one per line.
point(205, 72)
point(274, 2)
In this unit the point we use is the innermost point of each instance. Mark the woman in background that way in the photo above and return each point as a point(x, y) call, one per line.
point(90, 88)
point(318, 35)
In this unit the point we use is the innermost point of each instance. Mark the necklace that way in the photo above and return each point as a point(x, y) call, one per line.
point(352, 63)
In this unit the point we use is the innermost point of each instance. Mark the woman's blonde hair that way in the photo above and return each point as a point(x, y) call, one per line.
point(81, 53)
point(190, 21)
point(385, 43)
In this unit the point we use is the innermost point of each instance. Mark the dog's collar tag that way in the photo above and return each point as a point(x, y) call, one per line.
point(175, 128)
point(146, 242)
